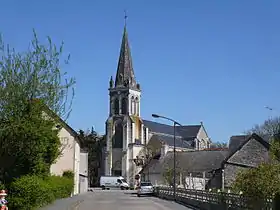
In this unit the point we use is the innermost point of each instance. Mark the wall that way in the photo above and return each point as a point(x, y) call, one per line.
point(215, 181)
point(230, 173)
point(66, 159)
point(69, 158)
point(83, 172)
point(83, 187)
point(196, 183)
point(251, 154)
point(203, 139)
point(76, 168)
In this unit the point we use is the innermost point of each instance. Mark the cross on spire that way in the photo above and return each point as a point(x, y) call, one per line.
point(125, 17)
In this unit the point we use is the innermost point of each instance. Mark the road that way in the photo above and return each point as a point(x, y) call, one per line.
point(114, 200)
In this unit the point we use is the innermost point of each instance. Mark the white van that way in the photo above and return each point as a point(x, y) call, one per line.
point(107, 182)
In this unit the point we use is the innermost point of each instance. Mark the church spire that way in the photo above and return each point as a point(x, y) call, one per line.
point(125, 74)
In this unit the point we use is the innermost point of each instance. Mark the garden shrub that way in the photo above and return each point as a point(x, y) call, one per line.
point(68, 174)
point(31, 192)
point(62, 187)
point(2, 186)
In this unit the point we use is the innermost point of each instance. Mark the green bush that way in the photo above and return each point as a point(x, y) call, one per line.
point(31, 192)
point(62, 187)
point(2, 186)
point(68, 174)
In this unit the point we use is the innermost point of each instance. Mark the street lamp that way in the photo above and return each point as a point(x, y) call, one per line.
point(174, 150)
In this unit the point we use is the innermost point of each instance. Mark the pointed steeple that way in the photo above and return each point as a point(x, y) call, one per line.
point(125, 74)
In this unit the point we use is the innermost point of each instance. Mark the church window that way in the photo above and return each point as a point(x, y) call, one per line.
point(124, 106)
point(118, 136)
point(116, 106)
point(136, 111)
point(144, 135)
point(132, 105)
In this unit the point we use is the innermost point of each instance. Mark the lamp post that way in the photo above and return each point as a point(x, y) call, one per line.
point(174, 149)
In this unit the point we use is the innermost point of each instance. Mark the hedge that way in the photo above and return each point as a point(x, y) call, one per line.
point(31, 192)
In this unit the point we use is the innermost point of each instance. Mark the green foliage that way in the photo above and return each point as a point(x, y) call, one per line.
point(62, 187)
point(30, 83)
point(34, 74)
point(94, 144)
point(261, 182)
point(269, 127)
point(217, 145)
point(275, 148)
point(68, 174)
point(33, 143)
point(168, 175)
point(2, 186)
point(31, 192)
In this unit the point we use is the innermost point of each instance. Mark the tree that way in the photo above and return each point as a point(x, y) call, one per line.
point(219, 145)
point(263, 181)
point(94, 144)
point(270, 127)
point(168, 170)
point(31, 84)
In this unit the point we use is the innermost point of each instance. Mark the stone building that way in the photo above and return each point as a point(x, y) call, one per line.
point(128, 136)
point(210, 168)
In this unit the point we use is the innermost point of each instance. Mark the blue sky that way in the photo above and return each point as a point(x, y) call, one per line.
point(212, 61)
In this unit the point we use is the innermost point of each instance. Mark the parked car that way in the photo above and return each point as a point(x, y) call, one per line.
point(145, 188)
point(108, 182)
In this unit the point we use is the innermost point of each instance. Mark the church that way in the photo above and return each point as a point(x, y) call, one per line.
point(130, 140)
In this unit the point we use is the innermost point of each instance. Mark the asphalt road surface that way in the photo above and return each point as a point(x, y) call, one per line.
point(114, 200)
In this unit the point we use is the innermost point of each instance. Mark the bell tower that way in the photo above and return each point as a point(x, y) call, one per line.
point(124, 125)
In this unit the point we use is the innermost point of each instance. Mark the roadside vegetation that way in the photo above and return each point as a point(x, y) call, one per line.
point(32, 82)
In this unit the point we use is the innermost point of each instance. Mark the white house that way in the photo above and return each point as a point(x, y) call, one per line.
point(83, 186)
point(70, 156)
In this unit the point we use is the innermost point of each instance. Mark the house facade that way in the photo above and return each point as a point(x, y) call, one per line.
point(130, 140)
point(83, 175)
point(70, 157)
point(193, 168)
point(208, 168)
point(245, 152)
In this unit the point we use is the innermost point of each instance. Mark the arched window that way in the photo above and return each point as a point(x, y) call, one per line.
point(136, 111)
point(132, 105)
point(118, 136)
point(124, 106)
point(116, 106)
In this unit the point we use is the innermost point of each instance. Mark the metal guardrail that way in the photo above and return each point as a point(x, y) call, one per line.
point(206, 200)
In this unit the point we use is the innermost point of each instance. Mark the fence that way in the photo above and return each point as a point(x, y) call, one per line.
point(205, 200)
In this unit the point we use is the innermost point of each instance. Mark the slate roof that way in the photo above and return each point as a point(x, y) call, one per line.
point(184, 134)
point(186, 131)
point(191, 161)
point(125, 74)
point(169, 140)
point(243, 140)
point(236, 141)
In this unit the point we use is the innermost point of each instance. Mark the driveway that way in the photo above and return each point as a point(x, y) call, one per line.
point(113, 200)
